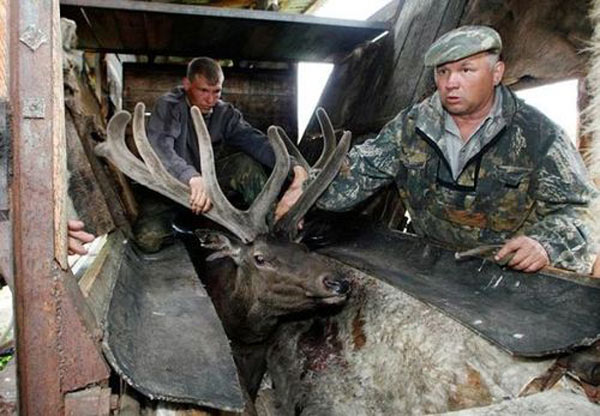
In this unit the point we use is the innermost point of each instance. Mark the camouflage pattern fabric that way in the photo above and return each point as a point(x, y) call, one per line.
point(528, 180)
point(241, 174)
point(462, 42)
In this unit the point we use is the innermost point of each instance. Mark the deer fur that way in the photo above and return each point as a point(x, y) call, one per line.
point(387, 353)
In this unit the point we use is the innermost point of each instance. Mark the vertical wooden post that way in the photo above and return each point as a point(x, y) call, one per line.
point(57, 349)
point(34, 103)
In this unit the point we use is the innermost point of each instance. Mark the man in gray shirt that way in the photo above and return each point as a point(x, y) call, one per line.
point(238, 146)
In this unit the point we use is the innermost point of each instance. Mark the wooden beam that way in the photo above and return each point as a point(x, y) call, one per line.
point(33, 98)
point(3, 50)
point(56, 344)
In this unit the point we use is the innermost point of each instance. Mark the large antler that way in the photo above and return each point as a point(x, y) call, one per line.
point(329, 163)
point(152, 173)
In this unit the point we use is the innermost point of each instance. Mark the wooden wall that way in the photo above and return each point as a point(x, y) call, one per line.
point(264, 96)
point(376, 81)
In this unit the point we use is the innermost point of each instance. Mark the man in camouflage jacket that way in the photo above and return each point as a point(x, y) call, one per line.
point(475, 165)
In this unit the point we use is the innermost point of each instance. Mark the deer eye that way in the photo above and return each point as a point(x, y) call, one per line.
point(259, 259)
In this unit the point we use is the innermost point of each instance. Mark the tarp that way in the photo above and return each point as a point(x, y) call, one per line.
point(529, 315)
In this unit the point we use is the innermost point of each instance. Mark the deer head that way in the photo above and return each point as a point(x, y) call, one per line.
point(275, 275)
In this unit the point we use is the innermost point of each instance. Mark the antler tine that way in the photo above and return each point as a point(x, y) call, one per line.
point(238, 222)
point(288, 224)
point(115, 150)
point(263, 203)
point(293, 149)
point(153, 163)
point(328, 138)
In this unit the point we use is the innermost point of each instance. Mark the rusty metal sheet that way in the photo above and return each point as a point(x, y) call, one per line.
point(163, 335)
point(188, 30)
point(529, 315)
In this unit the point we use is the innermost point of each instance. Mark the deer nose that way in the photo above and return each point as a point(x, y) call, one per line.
point(337, 285)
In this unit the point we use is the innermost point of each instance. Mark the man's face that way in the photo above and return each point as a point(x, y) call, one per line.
point(201, 93)
point(466, 87)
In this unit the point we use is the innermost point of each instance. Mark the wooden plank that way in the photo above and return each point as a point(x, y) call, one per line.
point(98, 281)
point(33, 99)
point(59, 146)
point(135, 35)
point(82, 363)
point(104, 27)
point(89, 202)
point(186, 30)
point(85, 34)
point(3, 50)
point(94, 401)
point(57, 350)
point(83, 108)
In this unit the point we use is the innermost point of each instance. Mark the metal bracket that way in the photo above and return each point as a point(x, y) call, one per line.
point(33, 37)
point(34, 108)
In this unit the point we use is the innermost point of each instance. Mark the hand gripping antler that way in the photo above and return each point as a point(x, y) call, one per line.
point(152, 173)
point(329, 163)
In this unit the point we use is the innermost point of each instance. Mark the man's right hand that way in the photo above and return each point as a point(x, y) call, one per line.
point(199, 200)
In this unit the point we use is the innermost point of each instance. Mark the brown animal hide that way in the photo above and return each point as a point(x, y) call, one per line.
point(387, 353)
point(544, 40)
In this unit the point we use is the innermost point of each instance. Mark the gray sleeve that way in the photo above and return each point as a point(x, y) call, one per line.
point(164, 128)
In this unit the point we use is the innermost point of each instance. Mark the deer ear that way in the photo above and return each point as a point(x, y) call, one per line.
point(223, 245)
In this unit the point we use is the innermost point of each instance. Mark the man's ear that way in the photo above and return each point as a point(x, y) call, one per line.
point(223, 245)
point(186, 83)
point(498, 72)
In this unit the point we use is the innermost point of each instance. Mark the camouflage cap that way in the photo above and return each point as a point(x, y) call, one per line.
point(462, 42)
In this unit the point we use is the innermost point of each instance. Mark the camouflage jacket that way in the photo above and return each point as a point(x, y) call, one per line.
point(528, 180)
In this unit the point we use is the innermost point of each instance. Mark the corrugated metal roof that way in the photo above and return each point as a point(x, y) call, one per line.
point(126, 26)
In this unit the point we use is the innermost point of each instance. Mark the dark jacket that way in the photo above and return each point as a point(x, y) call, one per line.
point(171, 132)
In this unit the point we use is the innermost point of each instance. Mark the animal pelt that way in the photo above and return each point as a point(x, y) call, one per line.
point(387, 353)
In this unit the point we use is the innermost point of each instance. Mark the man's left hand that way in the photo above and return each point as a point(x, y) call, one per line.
point(78, 237)
point(528, 255)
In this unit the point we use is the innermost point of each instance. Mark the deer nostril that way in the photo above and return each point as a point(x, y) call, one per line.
point(337, 285)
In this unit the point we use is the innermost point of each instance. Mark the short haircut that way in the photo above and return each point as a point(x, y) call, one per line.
point(207, 67)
